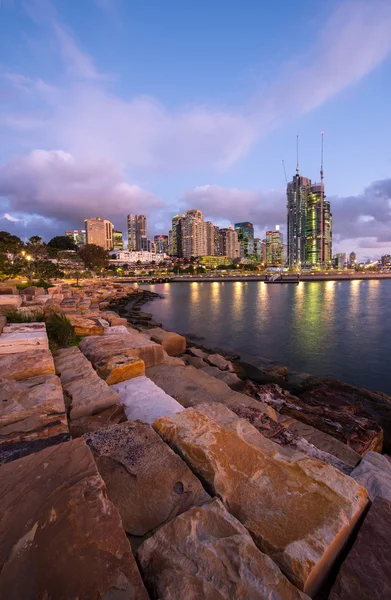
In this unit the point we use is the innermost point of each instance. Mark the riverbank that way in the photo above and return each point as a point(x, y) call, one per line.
point(166, 466)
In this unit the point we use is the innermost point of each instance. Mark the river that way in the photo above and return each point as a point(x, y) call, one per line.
point(339, 329)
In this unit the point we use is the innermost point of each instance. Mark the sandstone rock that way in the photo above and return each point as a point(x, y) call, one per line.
point(144, 400)
point(173, 343)
point(278, 372)
point(220, 362)
point(328, 412)
point(229, 378)
point(146, 481)
point(365, 574)
point(27, 364)
point(374, 474)
point(194, 361)
point(197, 352)
point(115, 330)
point(11, 343)
point(9, 302)
point(131, 344)
point(119, 368)
point(66, 540)
point(111, 416)
point(34, 291)
point(32, 416)
point(205, 553)
point(9, 290)
point(3, 322)
point(173, 361)
point(84, 325)
point(86, 393)
point(25, 328)
point(352, 400)
point(298, 510)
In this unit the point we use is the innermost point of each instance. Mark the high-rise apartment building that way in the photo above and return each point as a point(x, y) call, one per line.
point(245, 233)
point(229, 243)
point(137, 232)
point(161, 243)
point(309, 223)
point(77, 235)
point(176, 245)
point(100, 232)
point(210, 239)
point(194, 237)
point(274, 248)
point(118, 240)
point(217, 251)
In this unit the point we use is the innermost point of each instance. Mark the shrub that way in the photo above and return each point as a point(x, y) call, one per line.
point(14, 316)
point(60, 332)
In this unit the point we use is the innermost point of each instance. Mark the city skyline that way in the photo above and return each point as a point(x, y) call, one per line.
point(85, 132)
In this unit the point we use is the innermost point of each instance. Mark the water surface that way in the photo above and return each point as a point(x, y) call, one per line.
point(340, 329)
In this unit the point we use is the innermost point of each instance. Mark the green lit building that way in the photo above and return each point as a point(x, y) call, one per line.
point(245, 233)
point(176, 236)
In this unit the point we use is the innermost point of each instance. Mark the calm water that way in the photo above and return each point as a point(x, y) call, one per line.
point(338, 329)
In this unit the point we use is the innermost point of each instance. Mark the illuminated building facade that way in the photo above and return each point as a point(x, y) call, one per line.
point(100, 232)
point(194, 236)
point(274, 248)
point(77, 235)
point(161, 243)
point(176, 244)
point(118, 240)
point(245, 233)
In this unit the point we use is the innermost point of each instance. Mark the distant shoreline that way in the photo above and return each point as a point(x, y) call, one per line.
point(213, 278)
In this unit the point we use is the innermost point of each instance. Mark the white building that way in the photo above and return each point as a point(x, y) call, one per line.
point(194, 234)
point(129, 257)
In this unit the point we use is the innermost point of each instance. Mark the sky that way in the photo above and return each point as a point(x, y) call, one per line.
point(110, 107)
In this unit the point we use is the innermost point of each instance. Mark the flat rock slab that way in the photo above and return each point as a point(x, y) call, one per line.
point(85, 325)
point(366, 572)
point(374, 473)
point(27, 364)
point(11, 343)
point(3, 322)
point(32, 416)
point(86, 393)
point(205, 553)
point(327, 411)
point(173, 343)
point(119, 368)
point(115, 330)
point(216, 360)
point(24, 328)
point(66, 541)
point(375, 405)
point(298, 510)
point(144, 400)
point(132, 344)
point(9, 302)
point(111, 416)
point(147, 482)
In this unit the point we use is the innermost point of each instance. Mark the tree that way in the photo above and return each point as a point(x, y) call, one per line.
point(93, 256)
point(62, 242)
point(10, 243)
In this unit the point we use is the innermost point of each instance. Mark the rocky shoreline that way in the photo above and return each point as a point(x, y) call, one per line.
point(140, 464)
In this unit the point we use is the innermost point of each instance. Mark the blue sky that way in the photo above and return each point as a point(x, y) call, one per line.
point(109, 107)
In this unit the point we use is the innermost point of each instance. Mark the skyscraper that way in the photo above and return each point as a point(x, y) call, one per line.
point(229, 243)
point(137, 232)
point(161, 243)
point(274, 248)
point(245, 233)
point(176, 246)
point(118, 240)
point(100, 232)
point(210, 238)
point(194, 238)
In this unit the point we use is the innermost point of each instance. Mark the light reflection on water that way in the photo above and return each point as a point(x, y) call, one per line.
point(335, 328)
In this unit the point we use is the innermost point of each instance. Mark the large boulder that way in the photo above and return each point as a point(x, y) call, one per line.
point(131, 344)
point(366, 572)
point(33, 290)
point(216, 360)
point(374, 473)
point(330, 412)
point(147, 482)
point(27, 364)
point(191, 387)
point(205, 553)
point(25, 328)
point(66, 539)
point(32, 416)
point(27, 341)
point(85, 325)
point(9, 302)
point(144, 400)
point(173, 343)
point(86, 393)
point(119, 367)
point(299, 511)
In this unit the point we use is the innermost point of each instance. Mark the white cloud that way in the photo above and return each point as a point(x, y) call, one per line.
point(9, 217)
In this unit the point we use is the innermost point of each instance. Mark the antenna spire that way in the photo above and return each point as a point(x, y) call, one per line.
point(297, 154)
point(321, 160)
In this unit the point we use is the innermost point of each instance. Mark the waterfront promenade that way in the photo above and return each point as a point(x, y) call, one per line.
point(338, 276)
